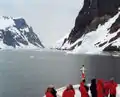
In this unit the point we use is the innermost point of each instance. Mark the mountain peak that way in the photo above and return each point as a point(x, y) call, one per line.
point(16, 33)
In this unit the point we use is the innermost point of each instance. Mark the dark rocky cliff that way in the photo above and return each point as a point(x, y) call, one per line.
point(93, 13)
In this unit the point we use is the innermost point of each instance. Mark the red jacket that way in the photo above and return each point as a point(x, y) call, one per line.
point(100, 89)
point(113, 88)
point(48, 94)
point(68, 93)
point(83, 76)
point(106, 88)
point(83, 90)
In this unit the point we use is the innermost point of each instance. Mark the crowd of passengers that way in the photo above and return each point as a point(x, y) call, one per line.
point(98, 88)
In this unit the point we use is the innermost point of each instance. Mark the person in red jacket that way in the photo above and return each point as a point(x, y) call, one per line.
point(69, 91)
point(113, 86)
point(48, 92)
point(106, 88)
point(83, 90)
point(100, 88)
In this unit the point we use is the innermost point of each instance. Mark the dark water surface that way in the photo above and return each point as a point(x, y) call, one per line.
point(28, 73)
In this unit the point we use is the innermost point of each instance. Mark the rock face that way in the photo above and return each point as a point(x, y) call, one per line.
point(93, 14)
point(16, 33)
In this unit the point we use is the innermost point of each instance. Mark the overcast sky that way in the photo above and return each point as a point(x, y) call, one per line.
point(51, 19)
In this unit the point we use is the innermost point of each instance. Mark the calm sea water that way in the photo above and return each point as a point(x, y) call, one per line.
point(28, 73)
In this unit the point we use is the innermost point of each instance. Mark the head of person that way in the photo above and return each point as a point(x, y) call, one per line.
point(50, 87)
point(84, 81)
point(70, 86)
point(112, 80)
point(49, 90)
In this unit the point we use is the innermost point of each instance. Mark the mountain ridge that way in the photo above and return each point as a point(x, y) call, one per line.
point(16, 33)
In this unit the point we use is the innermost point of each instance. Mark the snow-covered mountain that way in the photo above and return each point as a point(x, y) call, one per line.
point(16, 33)
point(97, 28)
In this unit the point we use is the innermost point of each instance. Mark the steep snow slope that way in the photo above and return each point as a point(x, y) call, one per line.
point(15, 33)
point(99, 40)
